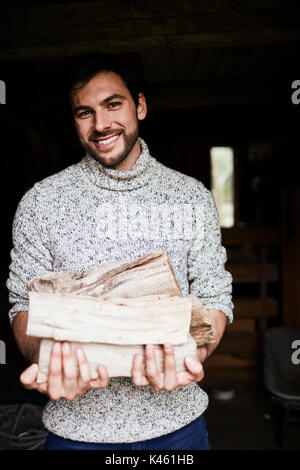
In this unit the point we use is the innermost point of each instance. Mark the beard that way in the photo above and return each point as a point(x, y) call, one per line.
point(129, 142)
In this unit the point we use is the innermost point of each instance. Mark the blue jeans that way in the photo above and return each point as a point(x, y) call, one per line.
point(191, 437)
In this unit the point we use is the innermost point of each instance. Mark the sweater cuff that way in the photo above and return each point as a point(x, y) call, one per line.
point(19, 307)
point(224, 308)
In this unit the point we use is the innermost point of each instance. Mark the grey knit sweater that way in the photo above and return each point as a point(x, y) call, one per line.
point(87, 215)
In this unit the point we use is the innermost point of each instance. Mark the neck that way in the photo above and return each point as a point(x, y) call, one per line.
point(136, 173)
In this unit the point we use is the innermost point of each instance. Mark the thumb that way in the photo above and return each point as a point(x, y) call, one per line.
point(29, 375)
point(194, 366)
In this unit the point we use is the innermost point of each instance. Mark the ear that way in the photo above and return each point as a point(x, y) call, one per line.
point(142, 107)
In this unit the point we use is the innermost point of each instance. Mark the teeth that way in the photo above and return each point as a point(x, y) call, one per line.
point(107, 141)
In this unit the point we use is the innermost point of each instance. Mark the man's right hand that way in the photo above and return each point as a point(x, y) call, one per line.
point(65, 380)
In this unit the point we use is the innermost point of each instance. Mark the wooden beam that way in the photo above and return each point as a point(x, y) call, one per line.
point(62, 30)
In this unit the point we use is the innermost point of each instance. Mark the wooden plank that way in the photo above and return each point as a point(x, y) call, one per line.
point(253, 272)
point(262, 235)
point(255, 307)
point(66, 29)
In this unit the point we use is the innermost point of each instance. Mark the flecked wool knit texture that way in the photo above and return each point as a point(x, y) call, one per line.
point(59, 225)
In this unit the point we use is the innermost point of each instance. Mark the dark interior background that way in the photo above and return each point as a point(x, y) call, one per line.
point(216, 73)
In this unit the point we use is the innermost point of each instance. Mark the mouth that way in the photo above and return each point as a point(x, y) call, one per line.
point(106, 142)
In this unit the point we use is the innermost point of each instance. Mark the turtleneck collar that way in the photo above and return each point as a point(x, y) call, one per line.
point(117, 180)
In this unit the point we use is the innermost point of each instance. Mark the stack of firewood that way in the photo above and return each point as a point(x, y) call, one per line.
point(113, 310)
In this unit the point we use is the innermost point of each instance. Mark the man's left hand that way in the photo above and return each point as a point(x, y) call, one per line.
point(169, 379)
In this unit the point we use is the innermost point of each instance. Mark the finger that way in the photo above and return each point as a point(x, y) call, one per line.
point(103, 378)
point(137, 375)
point(84, 368)
point(70, 372)
point(55, 387)
point(152, 372)
point(170, 378)
point(193, 374)
point(184, 378)
point(42, 387)
point(195, 367)
point(29, 376)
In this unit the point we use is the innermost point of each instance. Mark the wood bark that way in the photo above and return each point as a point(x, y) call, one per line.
point(200, 325)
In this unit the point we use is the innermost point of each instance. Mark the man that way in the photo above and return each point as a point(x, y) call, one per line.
point(60, 225)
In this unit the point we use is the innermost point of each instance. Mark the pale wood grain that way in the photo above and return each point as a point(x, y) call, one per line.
point(146, 275)
point(121, 321)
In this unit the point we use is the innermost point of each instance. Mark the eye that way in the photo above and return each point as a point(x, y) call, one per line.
point(114, 104)
point(83, 114)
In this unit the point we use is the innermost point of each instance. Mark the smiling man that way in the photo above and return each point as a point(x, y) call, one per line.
point(57, 227)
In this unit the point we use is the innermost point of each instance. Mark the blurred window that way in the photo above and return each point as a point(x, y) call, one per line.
point(222, 182)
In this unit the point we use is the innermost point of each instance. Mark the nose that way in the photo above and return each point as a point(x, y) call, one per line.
point(102, 120)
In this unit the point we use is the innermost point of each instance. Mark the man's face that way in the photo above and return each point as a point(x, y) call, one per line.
point(106, 120)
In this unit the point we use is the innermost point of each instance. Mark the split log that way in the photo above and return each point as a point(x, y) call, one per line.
point(116, 358)
point(114, 309)
point(200, 326)
point(146, 275)
point(142, 320)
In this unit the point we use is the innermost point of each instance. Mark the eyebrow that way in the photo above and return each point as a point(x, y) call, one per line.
point(105, 101)
point(113, 97)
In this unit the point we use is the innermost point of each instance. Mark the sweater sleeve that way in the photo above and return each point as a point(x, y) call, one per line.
point(30, 256)
point(207, 276)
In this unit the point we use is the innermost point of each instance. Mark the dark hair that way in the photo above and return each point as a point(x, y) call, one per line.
point(84, 67)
